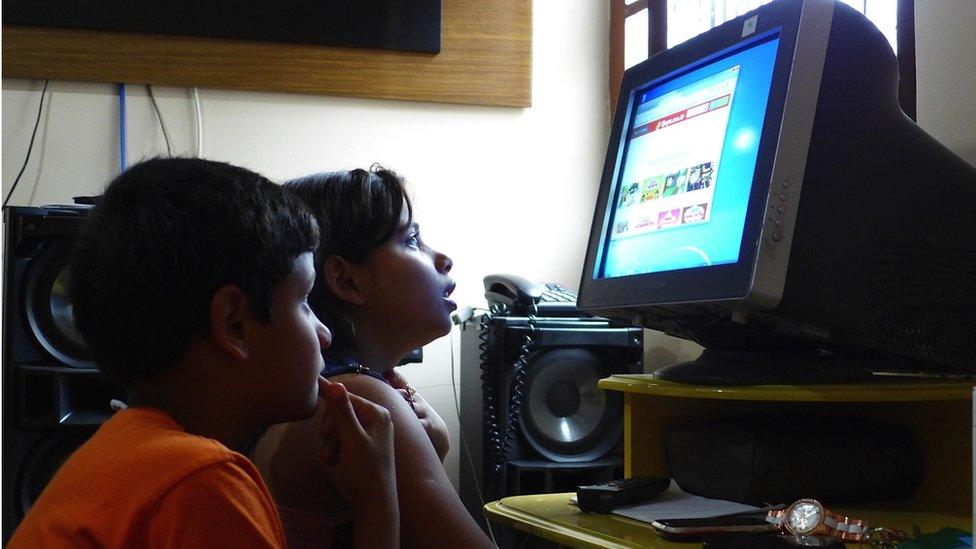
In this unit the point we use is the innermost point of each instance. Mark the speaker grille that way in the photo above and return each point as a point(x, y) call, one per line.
point(942, 336)
point(923, 303)
point(902, 275)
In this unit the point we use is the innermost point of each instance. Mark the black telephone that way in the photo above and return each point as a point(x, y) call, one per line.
point(520, 296)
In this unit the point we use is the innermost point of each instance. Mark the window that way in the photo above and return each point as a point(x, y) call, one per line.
point(642, 27)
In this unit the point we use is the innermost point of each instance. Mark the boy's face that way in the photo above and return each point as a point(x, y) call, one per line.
point(288, 350)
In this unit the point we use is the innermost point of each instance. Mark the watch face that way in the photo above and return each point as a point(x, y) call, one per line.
point(804, 516)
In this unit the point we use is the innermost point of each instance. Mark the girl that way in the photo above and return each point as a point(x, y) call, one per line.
point(383, 292)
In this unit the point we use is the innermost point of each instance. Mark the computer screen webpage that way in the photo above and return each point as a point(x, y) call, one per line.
point(683, 185)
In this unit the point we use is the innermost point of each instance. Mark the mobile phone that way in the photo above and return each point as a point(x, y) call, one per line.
point(692, 529)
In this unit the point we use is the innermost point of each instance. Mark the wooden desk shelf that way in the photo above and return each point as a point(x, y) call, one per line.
point(938, 412)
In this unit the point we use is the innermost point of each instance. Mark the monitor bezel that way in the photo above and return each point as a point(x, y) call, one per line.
point(786, 120)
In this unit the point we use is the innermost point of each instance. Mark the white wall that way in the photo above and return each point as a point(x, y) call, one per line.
point(498, 189)
point(946, 69)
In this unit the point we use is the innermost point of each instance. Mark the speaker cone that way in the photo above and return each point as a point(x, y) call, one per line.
point(48, 306)
point(565, 417)
point(45, 458)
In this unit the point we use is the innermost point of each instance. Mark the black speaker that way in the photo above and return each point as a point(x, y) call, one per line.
point(532, 417)
point(53, 396)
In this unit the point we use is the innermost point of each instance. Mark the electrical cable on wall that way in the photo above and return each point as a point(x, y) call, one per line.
point(122, 139)
point(199, 120)
point(30, 146)
point(159, 116)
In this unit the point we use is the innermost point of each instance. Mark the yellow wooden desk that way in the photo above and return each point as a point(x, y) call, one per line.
point(937, 412)
point(552, 517)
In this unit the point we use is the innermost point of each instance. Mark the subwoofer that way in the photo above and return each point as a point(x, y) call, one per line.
point(53, 395)
point(532, 417)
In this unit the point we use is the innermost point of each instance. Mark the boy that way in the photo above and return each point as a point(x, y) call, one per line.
point(189, 285)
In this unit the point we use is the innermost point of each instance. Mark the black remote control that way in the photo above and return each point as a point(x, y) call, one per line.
point(603, 498)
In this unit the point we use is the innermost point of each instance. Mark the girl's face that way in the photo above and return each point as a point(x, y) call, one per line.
point(407, 289)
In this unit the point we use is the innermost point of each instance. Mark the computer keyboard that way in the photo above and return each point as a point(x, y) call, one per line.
point(557, 301)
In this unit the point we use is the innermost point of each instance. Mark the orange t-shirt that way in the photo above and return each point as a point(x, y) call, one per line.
point(142, 481)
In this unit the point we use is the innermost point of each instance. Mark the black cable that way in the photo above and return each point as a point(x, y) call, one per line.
point(500, 438)
point(489, 392)
point(30, 146)
point(520, 369)
point(169, 150)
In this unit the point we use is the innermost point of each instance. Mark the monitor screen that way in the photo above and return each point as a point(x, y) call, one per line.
point(690, 149)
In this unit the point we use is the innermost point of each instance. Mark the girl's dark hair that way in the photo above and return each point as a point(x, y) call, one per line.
point(357, 212)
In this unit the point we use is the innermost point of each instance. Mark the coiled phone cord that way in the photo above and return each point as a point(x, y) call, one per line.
point(500, 444)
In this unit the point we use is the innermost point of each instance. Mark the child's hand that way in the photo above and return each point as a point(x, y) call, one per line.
point(433, 424)
point(357, 438)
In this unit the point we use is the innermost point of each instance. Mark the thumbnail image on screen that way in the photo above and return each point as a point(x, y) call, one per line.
point(690, 153)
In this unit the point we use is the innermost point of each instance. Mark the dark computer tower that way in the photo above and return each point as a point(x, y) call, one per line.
point(53, 396)
point(532, 418)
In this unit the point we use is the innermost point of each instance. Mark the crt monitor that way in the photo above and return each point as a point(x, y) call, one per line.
point(764, 195)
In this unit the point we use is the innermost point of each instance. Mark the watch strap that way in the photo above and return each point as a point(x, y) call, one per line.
point(776, 517)
point(844, 527)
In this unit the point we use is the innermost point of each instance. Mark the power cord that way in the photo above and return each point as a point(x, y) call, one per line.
point(30, 146)
point(198, 117)
point(457, 409)
point(159, 116)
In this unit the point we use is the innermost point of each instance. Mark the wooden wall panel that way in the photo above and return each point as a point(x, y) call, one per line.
point(485, 59)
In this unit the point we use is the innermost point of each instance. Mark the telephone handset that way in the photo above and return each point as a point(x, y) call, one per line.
point(520, 296)
point(513, 292)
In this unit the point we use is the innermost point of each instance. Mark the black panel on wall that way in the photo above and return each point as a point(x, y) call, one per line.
point(410, 25)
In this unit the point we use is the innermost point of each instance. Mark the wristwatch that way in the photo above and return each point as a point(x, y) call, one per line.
point(808, 517)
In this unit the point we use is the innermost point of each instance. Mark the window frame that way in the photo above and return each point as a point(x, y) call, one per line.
point(657, 30)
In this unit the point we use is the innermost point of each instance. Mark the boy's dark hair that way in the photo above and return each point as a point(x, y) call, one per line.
point(357, 211)
point(163, 238)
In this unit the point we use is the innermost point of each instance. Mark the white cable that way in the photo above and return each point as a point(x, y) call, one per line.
point(198, 117)
point(464, 443)
point(159, 116)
